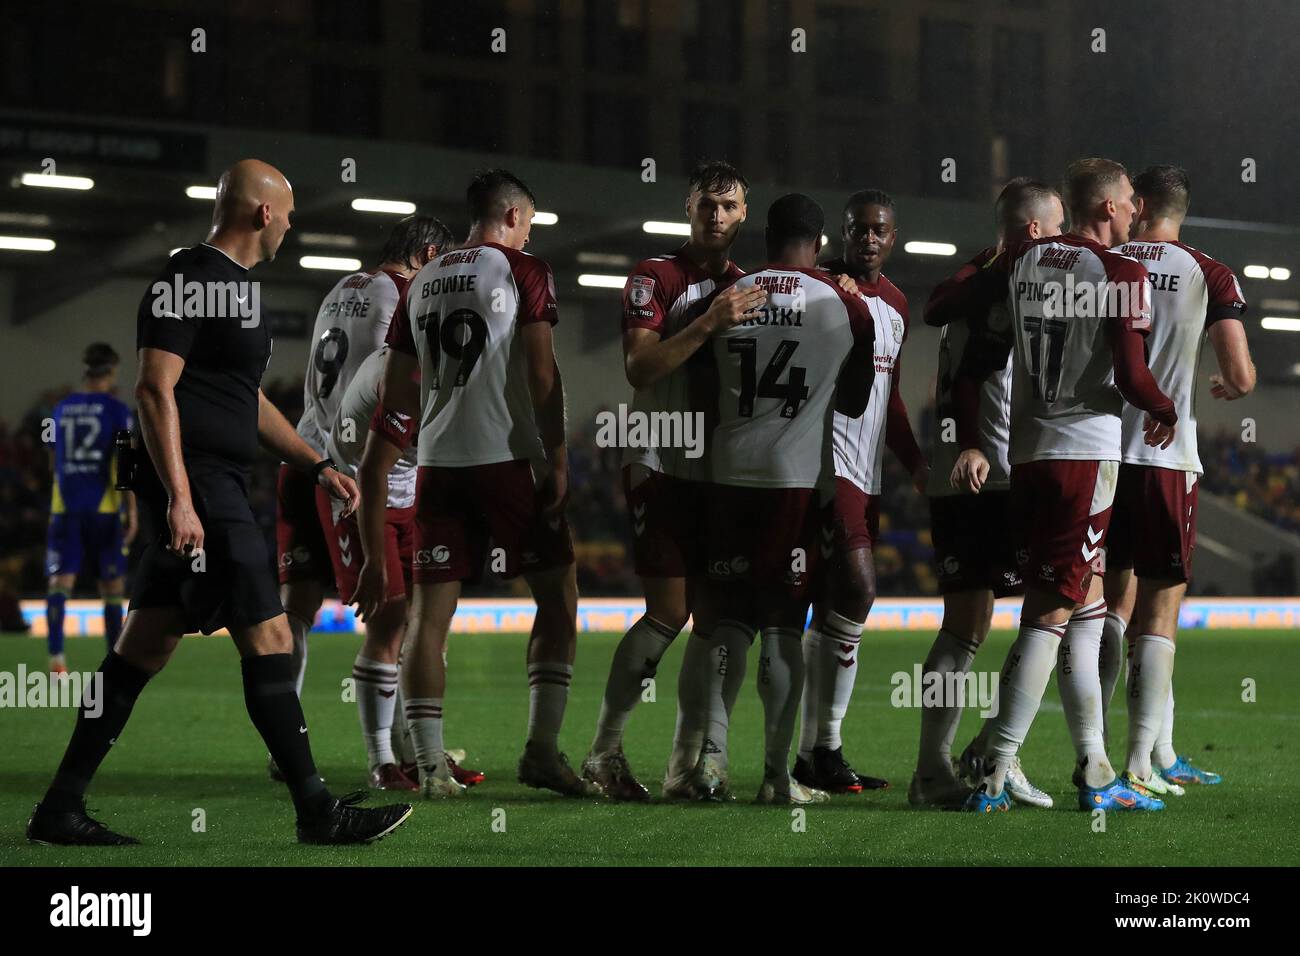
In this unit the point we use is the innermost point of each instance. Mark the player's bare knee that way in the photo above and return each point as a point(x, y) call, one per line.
point(268, 637)
point(146, 644)
point(302, 599)
point(555, 590)
point(672, 616)
point(854, 597)
point(113, 587)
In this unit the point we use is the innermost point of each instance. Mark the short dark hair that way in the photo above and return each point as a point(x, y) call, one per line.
point(492, 191)
point(869, 197)
point(716, 176)
point(793, 218)
point(412, 234)
point(100, 358)
point(1086, 183)
point(1021, 200)
point(1166, 189)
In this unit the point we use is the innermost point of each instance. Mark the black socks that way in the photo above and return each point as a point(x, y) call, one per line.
point(272, 702)
point(104, 711)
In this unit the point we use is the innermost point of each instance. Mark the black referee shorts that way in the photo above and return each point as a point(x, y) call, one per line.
point(233, 585)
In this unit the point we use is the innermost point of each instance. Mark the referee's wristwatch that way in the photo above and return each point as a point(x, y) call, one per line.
point(320, 466)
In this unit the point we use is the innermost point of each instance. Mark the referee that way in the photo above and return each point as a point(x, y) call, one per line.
point(203, 346)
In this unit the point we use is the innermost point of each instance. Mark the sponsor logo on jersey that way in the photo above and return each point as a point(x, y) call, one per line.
point(439, 556)
point(397, 421)
point(299, 555)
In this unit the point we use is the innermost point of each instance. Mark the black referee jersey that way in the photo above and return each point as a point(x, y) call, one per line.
point(204, 308)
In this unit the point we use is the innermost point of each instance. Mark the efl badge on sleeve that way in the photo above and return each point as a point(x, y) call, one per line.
point(642, 290)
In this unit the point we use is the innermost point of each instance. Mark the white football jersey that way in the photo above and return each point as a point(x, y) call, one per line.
point(1064, 294)
point(858, 444)
point(350, 325)
point(1189, 292)
point(777, 377)
point(994, 401)
point(658, 296)
point(351, 425)
point(461, 317)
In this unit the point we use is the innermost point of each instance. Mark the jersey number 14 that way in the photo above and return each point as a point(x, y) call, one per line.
point(791, 394)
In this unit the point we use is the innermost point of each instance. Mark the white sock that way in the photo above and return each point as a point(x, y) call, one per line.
point(1079, 680)
point(548, 692)
point(298, 655)
point(1163, 753)
point(811, 688)
point(780, 682)
point(1148, 692)
point(1024, 678)
point(1110, 664)
point(949, 654)
point(376, 686)
point(635, 659)
point(424, 717)
point(839, 670)
point(692, 706)
point(400, 735)
point(728, 650)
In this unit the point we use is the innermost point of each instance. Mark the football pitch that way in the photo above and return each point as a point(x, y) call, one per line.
point(190, 756)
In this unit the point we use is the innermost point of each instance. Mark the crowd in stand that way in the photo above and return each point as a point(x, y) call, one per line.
point(1266, 484)
point(1262, 483)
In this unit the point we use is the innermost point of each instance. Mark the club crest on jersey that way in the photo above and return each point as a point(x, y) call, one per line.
point(642, 290)
point(896, 324)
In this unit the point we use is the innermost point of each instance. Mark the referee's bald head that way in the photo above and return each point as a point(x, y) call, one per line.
point(253, 207)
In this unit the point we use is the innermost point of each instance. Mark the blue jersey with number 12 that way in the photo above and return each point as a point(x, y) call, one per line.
point(85, 460)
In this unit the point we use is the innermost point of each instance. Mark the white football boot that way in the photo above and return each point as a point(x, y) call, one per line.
point(1022, 791)
point(439, 784)
point(781, 788)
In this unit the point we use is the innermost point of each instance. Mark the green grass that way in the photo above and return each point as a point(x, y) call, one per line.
point(190, 745)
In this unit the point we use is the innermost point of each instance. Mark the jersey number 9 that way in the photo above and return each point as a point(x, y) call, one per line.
point(331, 353)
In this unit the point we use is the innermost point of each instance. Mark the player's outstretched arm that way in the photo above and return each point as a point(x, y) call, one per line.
point(899, 437)
point(647, 357)
point(547, 390)
point(276, 434)
point(377, 460)
point(132, 517)
point(392, 428)
point(160, 424)
point(972, 291)
point(1138, 387)
point(971, 469)
point(1236, 376)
